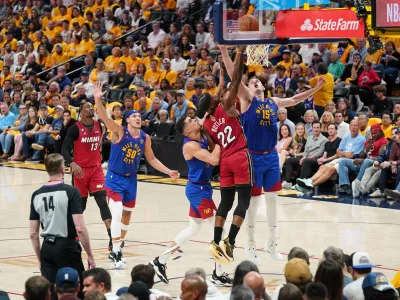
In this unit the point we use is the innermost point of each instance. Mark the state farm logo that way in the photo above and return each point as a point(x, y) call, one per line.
point(329, 25)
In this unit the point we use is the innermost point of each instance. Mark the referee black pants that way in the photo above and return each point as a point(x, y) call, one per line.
point(64, 252)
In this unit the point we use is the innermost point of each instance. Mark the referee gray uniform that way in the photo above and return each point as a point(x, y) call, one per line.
point(53, 206)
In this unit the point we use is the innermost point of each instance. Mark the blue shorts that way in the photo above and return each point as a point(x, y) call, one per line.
point(122, 188)
point(267, 173)
point(200, 199)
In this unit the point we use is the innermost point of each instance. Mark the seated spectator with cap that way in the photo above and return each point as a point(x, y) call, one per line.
point(60, 78)
point(178, 110)
point(376, 286)
point(297, 272)
point(59, 56)
point(36, 288)
point(67, 284)
point(343, 106)
point(360, 266)
point(178, 64)
point(169, 74)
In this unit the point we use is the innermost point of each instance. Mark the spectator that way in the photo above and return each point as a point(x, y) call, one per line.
point(95, 295)
point(99, 74)
point(376, 286)
point(67, 284)
point(284, 141)
point(286, 62)
point(178, 110)
point(290, 292)
point(281, 83)
point(301, 84)
point(8, 134)
point(360, 266)
point(178, 64)
point(68, 121)
point(326, 119)
point(361, 50)
point(7, 118)
point(162, 117)
point(194, 288)
point(142, 94)
point(387, 126)
point(297, 252)
point(363, 126)
point(99, 280)
point(316, 291)
point(367, 79)
point(325, 54)
point(139, 77)
point(336, 67)
point(307, 52)
point(326, 92)
point(150, 56)
point(156, 36)
point(330, 274)
point(389, 62)
point(382, 103)
point(309, 117)
point(37, 288)
point(212, 291)
point(152, 77)
point(169, 74)
point(241, 292)
point(343, 106)
point(255, 282)
point(122, 79)
point(145, 274)
point(313, 150)
point(342, 127)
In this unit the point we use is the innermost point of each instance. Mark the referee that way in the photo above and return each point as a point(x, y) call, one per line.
point(57, 207)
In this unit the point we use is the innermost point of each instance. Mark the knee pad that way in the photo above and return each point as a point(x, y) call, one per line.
point(101, 200)
point(190, 231)
point(84, 202)
point(244, 196)
point(227, 198)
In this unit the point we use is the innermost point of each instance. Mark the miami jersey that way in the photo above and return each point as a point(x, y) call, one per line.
point(199, 171)
point(126, 154)
point(87, 146)
point(226, 131)
point(259, 124)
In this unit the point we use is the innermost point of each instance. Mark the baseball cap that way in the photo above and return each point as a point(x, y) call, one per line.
point(378, 281)
point(297, 271)
point(317, 53)
point(129, 38)
point(287, 51)
point(25, 30)
point(180, 92)
point(84, 73)
point(43, 106)
point(20, 43)
point(42, 83)
point(59, 107)
point(341, 100)
point(67, 275)
point(301, 79)
point(359, 260)
point(376, 128)
point(166, 60)
point(59, 45)
point(177, 50)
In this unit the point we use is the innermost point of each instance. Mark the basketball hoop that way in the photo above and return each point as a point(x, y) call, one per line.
point(257, 55)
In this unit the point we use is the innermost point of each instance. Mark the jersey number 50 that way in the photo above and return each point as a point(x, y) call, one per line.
point(226, 137)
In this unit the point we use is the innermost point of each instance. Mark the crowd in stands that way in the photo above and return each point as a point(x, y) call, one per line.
point(159, 57)
point(337, 277)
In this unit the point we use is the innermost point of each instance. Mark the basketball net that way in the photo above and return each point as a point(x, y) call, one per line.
point(257, 55)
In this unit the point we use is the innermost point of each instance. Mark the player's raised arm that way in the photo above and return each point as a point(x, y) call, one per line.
point(285, 102)
point(193, 149)
point(155, 163)
point(244, 93)
point(115, 128)
point(228, 101)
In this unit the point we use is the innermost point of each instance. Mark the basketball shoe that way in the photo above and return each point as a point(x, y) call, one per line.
point(118, 259)
point(251, 251)
point(227, 249)
point(272, 248)
point(216, 252)
point(223, 280)
point(160, 270)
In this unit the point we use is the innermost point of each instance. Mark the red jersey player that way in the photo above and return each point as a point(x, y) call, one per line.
point(236, 169)
point(84, 138)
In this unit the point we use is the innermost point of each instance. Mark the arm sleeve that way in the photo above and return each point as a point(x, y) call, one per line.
point(75, 201)
point(33, 215)
point(72, 136)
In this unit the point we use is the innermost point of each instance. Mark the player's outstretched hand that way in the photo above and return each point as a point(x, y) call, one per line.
point(222, 47)
point(77, 170)
point(98, 90)
point(174, 174)
point(320, 83)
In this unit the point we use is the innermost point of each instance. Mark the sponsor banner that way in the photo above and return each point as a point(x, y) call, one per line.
point(387, 13)
point(341, 23)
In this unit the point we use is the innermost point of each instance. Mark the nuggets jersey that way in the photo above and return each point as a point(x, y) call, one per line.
point(126, 154)
point(199, 171)
point(88, 145)
point(259, 124)
point(226, 132)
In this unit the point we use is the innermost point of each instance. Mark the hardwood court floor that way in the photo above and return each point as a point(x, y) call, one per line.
point(162, 212)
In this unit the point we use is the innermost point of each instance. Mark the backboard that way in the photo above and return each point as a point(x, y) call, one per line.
point(314, 26)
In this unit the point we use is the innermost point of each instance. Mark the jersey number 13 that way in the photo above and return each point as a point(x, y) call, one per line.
point(226, 136)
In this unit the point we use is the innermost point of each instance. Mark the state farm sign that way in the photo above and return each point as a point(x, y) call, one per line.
point(386, 13)
point(319, 24)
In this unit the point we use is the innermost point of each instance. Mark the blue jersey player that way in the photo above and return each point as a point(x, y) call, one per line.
point(128, 146)
point(259, 118)
point(200, 162)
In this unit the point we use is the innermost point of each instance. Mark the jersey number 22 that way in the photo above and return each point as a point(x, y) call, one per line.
point(226, 137)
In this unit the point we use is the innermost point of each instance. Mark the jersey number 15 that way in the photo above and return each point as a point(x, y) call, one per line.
point(226, 137)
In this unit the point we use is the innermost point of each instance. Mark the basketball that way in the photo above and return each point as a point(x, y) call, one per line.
point(248, 23)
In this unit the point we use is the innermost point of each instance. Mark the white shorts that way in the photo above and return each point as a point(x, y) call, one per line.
point(335, 164)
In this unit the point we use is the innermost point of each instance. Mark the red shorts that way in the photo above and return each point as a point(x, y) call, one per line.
point(92, 181)
point(237, 170)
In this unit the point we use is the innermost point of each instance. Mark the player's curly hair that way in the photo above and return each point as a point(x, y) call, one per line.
point(180, 125)
point(204, 104)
